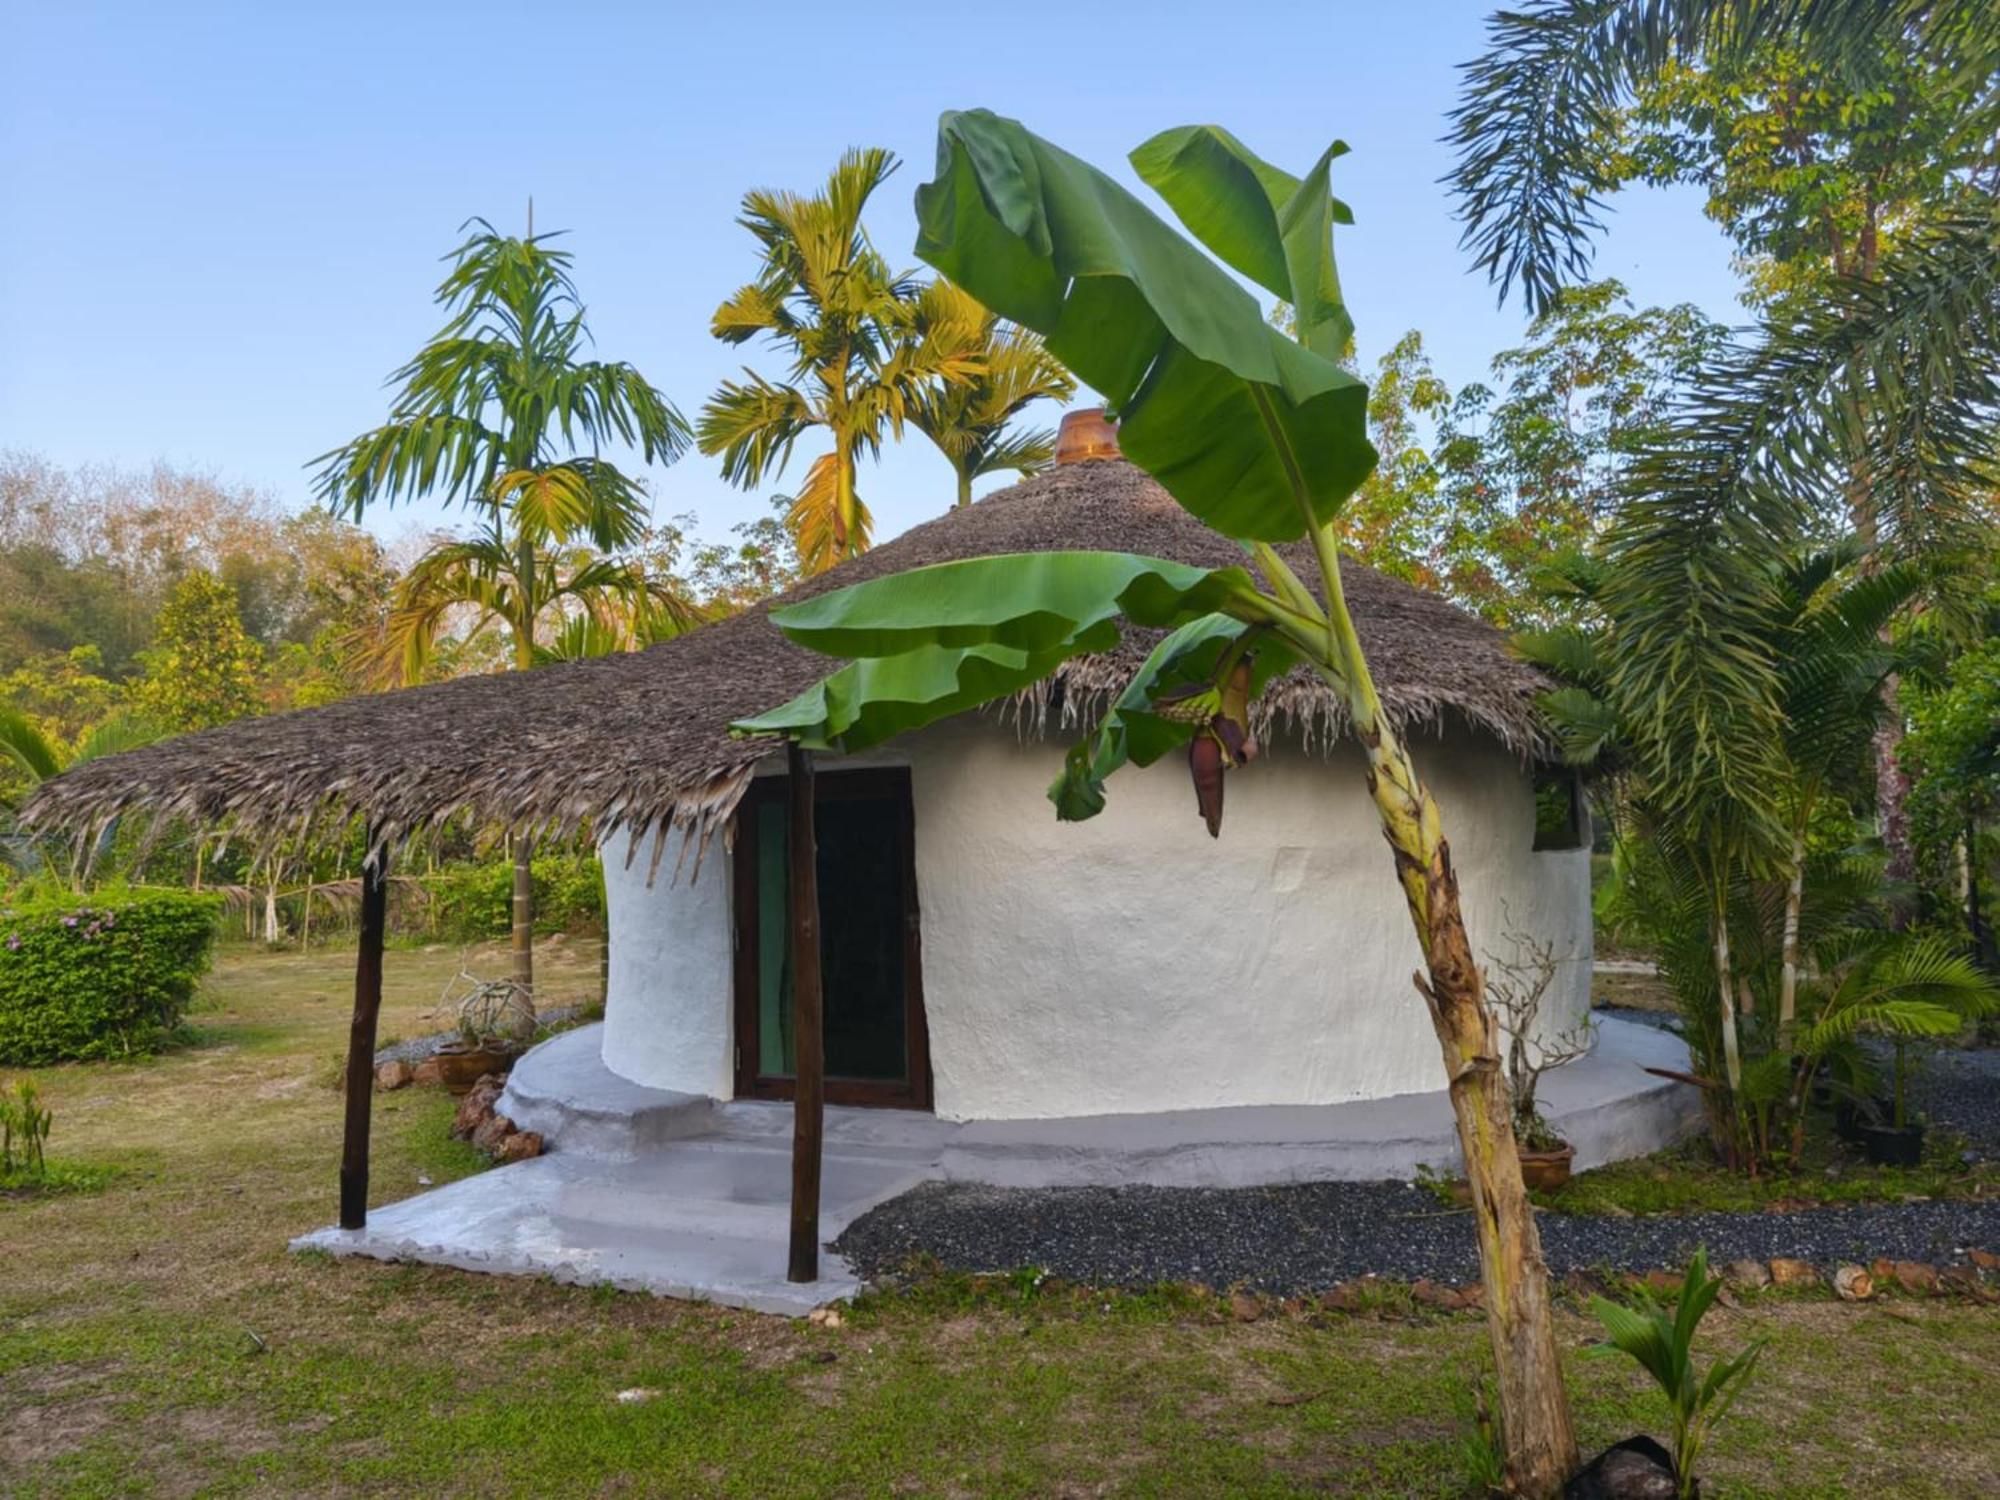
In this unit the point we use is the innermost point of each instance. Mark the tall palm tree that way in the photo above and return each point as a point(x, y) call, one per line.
point(491, 415)
point(1871, 395)
point(969, 419)
point(861, 358)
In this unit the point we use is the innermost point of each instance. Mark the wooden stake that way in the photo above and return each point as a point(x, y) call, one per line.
point(809, 1060)
point(361, 1041)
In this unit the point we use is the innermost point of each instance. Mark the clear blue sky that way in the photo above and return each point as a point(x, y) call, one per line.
point(222, 223)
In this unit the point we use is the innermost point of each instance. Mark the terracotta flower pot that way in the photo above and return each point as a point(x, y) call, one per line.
point(462, 1064)
point(1545, 1171)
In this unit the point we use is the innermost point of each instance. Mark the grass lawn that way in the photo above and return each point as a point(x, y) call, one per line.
point(156, 1338)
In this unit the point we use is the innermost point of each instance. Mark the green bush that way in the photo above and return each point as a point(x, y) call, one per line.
point(105, 975)
point(476, 901)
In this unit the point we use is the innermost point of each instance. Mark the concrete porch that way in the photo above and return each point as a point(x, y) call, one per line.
point(685, 1196)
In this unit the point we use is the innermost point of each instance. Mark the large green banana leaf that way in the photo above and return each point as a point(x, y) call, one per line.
point(937, 641)
point(1268, 224)
point(1245, 428)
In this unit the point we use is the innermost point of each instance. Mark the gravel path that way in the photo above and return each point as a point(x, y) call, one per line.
point(1304, 1239)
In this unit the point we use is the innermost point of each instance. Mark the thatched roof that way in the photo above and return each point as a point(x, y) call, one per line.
point(641, 741)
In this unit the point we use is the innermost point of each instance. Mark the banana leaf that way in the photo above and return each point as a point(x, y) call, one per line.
point(936, 641)
point(1251, 432)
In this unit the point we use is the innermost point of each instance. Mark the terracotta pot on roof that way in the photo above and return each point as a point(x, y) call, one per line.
point(1085, 435)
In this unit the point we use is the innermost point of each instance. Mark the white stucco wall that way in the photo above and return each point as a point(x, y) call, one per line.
point(1131, 963)
point(668, 1020)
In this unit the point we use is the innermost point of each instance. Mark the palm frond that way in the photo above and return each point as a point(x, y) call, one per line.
point(26, 747)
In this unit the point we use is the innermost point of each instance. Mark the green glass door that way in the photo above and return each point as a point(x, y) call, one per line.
point(870, 971)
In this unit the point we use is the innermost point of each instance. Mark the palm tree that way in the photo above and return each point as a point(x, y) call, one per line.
point(34, 757)
point(490, 415)
point(968, 419)
point(861, 358)
point(1871, 393)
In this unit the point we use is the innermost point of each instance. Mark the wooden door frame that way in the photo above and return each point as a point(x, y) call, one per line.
point(890, 784)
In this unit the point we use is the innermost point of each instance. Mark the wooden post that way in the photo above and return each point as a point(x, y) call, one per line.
point(809, 1057)
point(361, 1040)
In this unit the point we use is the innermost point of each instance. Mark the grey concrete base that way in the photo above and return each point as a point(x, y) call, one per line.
point(703, 1220)
point(689, 1197)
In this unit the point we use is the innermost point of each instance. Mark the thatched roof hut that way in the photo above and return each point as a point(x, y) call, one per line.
point(641, 742)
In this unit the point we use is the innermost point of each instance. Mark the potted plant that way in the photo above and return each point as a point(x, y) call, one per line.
point(1906, 987)
point(1897, 1141)
point(1661, 1339)
point(490, 1014)
point(1516, 986)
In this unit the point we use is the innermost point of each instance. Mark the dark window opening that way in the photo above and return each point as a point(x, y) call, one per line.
point(1561, 821)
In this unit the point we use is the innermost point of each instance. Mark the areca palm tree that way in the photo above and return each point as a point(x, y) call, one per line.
point(501, 414)
point(970, 420)
point(861, 356)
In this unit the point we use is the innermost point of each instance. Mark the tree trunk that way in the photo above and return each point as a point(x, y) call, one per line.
point(524, 931)
point(1538, 1438)
point(964, 487)
point(1788, 978)
point(1892, 788)
point(1728, 1119)
point(1539, 1442)
point(271, 934)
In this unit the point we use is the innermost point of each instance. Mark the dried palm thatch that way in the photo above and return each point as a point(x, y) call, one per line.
point(640, 743)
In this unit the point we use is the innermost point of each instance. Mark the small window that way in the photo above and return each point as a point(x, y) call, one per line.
point(1560, 819)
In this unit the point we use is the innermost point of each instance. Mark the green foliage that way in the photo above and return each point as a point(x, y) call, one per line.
point(867, 352)
point(202, 667)
point(24, 1130)
point(484, 415)
point(108, 975)
point(932, 642)
point(969, 419)
point(474, 901)
point(1662, 1341)
point(1256, 435)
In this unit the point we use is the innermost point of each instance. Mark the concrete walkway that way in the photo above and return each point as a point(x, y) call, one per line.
point(689, 1197)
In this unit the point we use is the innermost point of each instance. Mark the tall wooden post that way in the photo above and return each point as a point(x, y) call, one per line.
point(808, 1046)
point(361, 1040)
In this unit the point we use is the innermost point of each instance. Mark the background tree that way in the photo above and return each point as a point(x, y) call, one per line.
point(202, 667)
point(1478, 489)
point(489, 416)
point(1849, 148)
point(969, 419)
point(861, 356)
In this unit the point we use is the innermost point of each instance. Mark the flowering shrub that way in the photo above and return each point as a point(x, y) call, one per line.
point(106, 975)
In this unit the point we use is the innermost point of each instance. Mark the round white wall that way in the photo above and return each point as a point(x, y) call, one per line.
point(1131, 964)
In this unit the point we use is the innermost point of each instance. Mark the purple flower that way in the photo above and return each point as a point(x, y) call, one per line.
point(69, 921)
point(13, 942)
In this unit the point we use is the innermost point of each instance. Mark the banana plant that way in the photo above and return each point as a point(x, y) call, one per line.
point(1262, 437)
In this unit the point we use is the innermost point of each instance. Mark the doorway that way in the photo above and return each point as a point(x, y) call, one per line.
point(877, 1048)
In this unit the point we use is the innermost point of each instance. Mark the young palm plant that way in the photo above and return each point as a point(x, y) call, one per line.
point(490, 415)
point(861, 358)
point(1261, 438)
point(970, 420)
point(1662, 1341)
